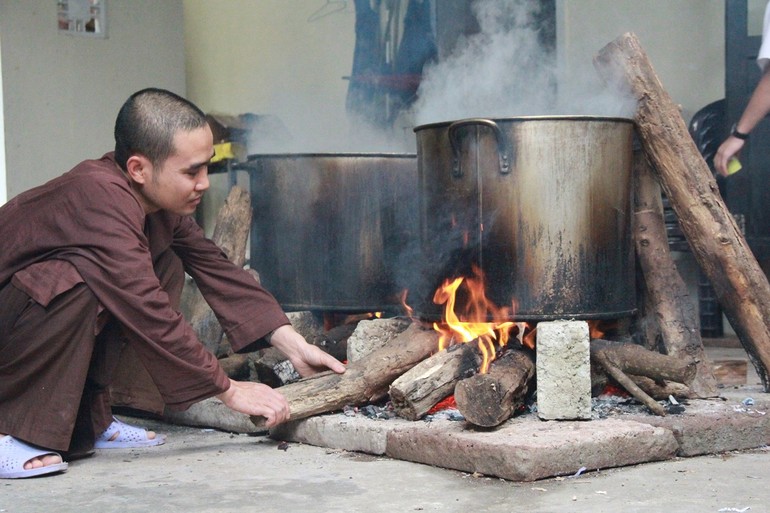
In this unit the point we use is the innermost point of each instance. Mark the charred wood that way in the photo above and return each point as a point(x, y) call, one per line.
point(365, 380)
point(273, 368)
point(433, 379)
point(488, 400)
point(715, 239)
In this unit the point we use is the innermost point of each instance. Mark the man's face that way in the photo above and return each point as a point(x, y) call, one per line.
point(179, 183)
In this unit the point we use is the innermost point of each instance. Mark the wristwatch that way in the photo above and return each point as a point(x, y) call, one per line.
point(735, 133)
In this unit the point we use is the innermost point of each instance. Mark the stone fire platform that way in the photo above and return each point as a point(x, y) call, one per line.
point(527, 449)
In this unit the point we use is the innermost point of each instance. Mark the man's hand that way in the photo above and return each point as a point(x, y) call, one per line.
point(727, 150)
point(256, 399)
point(306, 358)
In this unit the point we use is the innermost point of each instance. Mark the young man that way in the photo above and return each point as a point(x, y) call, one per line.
point(92, 269)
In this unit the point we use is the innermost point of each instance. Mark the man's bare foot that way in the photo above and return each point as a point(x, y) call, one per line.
point(150, 435)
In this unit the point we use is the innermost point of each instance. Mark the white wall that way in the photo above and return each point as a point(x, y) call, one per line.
point(684, 40)
point(266, 57)
point(61, 93)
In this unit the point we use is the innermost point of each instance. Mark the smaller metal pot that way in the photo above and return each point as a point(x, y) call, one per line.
point(329, 228)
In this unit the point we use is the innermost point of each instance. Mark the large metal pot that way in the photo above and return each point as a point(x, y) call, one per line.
point(540, 204)
point(329, 229)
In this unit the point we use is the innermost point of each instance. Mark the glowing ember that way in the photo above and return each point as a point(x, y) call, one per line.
point(480, 319)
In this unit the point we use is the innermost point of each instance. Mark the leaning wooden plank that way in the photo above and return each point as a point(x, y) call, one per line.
point(716, 242)
point(365, 380)
point(668, 294)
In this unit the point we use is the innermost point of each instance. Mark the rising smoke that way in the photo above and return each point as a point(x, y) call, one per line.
point(502, 71)
point(505, 71)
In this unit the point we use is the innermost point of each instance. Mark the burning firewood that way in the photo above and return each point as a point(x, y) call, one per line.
point(621, 361)
point(667, 292)
point(433, 379)
point(365, 380)
point(489, 399)
point(715, 239)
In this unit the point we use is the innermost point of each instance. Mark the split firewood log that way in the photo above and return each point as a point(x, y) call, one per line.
point(365, 380)
point(489, 399)
point(620, 361)
point(715, 239)
point(668, 295)
point(433, 379)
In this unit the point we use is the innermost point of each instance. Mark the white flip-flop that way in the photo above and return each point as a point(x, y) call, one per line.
point(15, 453)
point(128, 437)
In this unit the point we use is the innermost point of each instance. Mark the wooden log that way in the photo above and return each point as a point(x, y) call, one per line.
point(365, 380)
point(230, 234)
point(488, 400)
point(667, 293)
point(621, 360)
point(433, 379)
point(662, 390)
point(634, 359)
point(715, 239)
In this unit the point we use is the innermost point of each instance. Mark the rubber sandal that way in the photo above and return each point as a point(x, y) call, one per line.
point(15, 453)
point(128, 437)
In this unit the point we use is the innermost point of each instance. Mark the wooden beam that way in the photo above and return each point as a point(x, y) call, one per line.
point(717, 243)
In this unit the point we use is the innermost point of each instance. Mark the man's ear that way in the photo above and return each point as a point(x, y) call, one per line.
point(138, 168)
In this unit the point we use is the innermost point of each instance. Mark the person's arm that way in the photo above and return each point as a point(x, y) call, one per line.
point(757, 108)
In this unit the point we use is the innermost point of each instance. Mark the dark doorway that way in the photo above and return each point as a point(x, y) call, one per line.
point(747, 193)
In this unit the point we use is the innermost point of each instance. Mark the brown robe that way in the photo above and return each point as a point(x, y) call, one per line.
point(84, 239)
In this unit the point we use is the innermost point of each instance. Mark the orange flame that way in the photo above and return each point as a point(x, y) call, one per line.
point(473, 323)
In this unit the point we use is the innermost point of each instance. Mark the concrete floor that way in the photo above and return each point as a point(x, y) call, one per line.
point(211, 471)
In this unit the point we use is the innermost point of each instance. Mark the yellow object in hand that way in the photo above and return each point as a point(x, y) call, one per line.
point(733, 166)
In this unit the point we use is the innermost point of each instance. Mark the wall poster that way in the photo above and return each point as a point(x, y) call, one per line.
point(82, 17)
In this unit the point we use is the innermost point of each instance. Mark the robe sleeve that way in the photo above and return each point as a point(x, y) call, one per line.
point(246, 311)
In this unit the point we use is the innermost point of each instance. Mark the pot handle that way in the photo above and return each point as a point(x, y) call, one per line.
point(504, 148)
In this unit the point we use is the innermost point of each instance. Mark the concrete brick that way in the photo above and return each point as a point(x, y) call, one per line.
point(525, 449)
point(373, 334)
point(563, 370)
